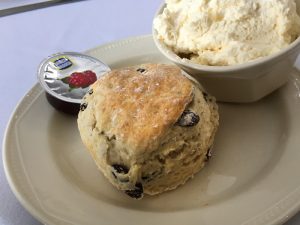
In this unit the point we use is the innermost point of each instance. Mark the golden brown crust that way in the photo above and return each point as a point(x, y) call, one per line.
point(129, 126)
point(128, 100)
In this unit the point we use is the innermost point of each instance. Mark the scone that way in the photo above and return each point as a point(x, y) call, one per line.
point(149, 128)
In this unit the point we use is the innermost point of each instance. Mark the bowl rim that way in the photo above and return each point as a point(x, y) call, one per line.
point(230, 68)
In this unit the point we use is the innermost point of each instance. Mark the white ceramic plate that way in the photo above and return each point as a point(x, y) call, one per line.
point(253, 177)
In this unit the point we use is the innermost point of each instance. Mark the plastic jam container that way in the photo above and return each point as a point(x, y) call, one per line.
point(66, 78)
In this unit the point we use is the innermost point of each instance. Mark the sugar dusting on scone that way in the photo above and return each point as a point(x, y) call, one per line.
point(149, 128)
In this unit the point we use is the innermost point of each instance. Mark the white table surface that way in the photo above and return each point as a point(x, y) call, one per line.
point(26, 38)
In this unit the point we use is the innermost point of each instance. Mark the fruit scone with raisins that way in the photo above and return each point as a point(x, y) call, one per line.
point(149, 128)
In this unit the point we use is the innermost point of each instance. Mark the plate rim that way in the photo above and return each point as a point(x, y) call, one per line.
point(267, 217)
point(11, 179)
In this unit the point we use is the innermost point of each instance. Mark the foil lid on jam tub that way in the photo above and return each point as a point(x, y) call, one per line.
point(66, 78)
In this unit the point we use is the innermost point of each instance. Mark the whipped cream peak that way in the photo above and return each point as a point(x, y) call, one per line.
point(220, 33)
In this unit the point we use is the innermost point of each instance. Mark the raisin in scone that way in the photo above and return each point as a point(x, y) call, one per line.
point(149, 128)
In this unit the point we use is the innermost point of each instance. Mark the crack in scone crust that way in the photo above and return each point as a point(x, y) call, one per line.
point(130, 127)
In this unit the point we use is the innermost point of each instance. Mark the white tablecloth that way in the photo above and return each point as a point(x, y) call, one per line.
point(26, 38)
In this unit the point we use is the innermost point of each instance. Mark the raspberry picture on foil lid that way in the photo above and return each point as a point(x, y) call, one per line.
point(80, 79)
point(66, 85)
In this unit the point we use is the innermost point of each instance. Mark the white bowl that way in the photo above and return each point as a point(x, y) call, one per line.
point(247, 82)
